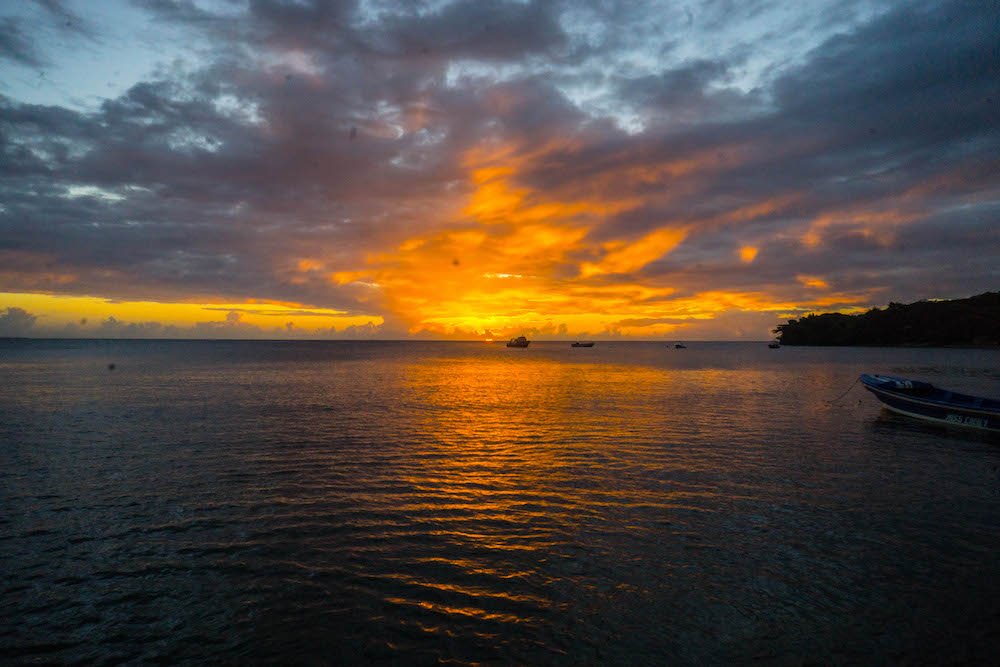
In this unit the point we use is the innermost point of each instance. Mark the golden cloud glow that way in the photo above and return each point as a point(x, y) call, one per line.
point(748, 254)
point(812, 282)
point(626, 257)
point(497, 197)
point(518, 260)
point(505, 258)
point(305, 265)
point(60, 311)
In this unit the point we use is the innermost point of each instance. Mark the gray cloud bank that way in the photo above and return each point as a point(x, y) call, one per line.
point(338, 129)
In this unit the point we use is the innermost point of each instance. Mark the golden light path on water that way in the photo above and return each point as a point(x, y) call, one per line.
point(472, 503)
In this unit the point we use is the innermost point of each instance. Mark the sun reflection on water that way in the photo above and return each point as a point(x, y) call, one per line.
point(470, 502)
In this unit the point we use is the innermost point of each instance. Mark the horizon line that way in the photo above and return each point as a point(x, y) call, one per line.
point(392, 340)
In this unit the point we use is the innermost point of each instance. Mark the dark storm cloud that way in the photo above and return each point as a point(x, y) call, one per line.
point(695, 92)
point(16, 45)
point(331, 129)
point(19, 38)
point(907, 103)
point(477, 30)
point(932, 67)
point(467, 29)
point(195, 200)
point(302, 168)
point(66, 19)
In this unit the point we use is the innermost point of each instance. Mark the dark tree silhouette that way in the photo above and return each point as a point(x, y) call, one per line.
point(971, 321)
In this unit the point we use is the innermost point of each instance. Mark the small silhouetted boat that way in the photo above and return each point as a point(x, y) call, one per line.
point(579, 344)
point(680, 346)
point(774, 346)
point(520, 341)
point(925, 401)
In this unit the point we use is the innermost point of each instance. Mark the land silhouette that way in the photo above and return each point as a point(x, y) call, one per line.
point(973, 321)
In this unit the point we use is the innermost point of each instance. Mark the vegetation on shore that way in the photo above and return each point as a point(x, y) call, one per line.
point(974, 321)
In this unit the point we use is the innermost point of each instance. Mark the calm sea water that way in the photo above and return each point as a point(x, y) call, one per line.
point(420, 503)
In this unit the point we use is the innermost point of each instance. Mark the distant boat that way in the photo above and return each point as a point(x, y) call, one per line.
point(579, 344)
point(923, 400)
point(520, 341)
point(680, 346)
point(774, 346)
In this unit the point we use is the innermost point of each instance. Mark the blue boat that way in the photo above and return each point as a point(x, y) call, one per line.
point(925, 401)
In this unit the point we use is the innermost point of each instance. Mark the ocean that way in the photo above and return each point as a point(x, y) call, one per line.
point(438, 502)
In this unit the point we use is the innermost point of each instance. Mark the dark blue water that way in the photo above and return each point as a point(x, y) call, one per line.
point(420, 503)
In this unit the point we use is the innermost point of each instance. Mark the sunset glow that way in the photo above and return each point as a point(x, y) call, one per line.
point(345, 178)
point(106, 318)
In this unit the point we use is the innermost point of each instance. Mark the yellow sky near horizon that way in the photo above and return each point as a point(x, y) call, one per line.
point(83, 314)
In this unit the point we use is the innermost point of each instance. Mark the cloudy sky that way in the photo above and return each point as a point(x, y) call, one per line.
point(701, 169)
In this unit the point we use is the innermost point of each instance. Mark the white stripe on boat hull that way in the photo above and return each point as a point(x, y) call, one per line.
point(950, 420)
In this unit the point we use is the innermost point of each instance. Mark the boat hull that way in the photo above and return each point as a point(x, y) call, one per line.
point(929, 403)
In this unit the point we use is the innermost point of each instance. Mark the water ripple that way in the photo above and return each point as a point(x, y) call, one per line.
point(455, 503)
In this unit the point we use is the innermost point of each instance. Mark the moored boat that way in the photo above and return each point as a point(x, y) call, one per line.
point(923, 400)
point(520, 341)
point(774, 346)
point(582, 344)
point(680, 346)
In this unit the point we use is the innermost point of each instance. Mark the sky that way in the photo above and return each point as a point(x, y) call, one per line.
point(603, 169)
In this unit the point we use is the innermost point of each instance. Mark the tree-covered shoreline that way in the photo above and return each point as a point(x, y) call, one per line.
point(974, 322)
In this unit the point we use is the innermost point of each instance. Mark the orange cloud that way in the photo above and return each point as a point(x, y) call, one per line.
point(627, 257)
point(875, 224)
point(513, 264)
point(510, 259)
point(497, 198)
point(748, 254)
point(812, 282)
point(305, 265)
point(758, 209)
